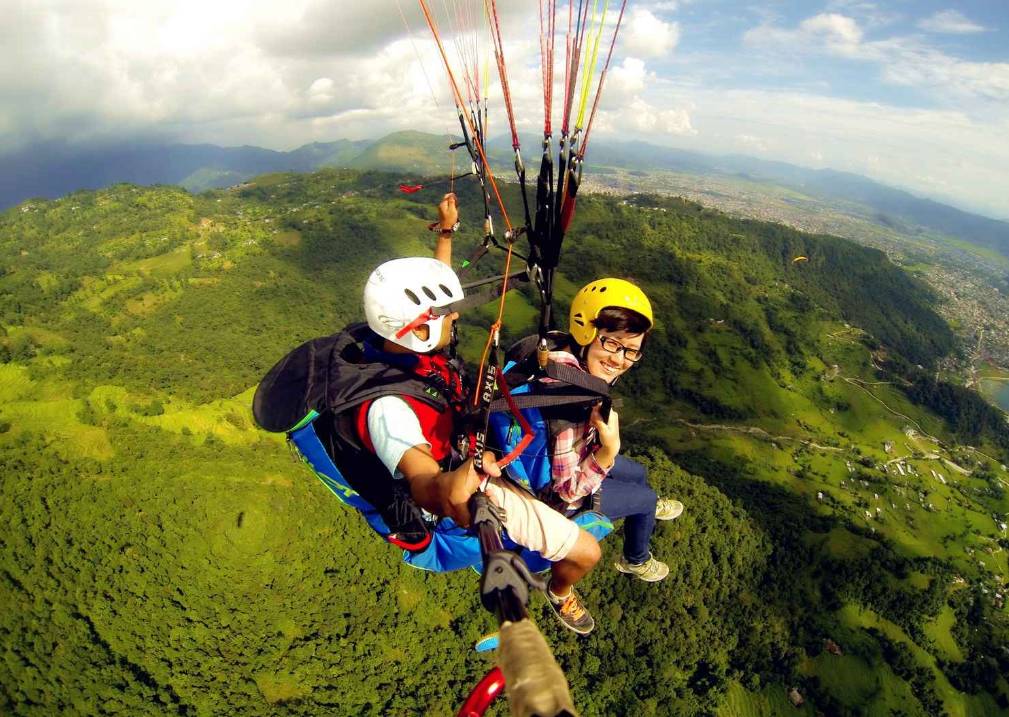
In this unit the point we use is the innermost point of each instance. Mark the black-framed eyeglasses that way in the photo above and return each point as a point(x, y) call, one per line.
point(613, 346)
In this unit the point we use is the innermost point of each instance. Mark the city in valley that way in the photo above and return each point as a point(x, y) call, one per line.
point(972, 283)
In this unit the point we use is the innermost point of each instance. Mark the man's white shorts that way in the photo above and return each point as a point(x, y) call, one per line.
point(532, 523)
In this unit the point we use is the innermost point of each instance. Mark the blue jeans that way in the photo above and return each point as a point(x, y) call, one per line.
point(625, 493)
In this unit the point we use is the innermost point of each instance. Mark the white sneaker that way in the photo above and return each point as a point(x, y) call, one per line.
point(668, 509)
point(651, 571)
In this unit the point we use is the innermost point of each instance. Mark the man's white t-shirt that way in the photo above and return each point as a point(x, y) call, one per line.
point(394, 429)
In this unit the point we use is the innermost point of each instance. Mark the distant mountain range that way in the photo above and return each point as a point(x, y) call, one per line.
point(53, 169)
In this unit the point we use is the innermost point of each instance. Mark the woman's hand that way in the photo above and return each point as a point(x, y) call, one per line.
point(609, 436)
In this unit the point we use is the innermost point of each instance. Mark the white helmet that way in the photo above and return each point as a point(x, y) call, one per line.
point(400, 293)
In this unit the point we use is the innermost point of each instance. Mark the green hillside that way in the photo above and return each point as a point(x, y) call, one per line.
point(417, 153)
point(162, 555)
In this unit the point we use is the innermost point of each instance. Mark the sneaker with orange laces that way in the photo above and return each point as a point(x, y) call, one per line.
point(571, 612)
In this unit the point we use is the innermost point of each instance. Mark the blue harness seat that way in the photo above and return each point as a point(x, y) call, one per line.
point(452, 547)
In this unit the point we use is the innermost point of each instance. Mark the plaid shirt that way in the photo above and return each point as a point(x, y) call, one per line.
point(575, 472)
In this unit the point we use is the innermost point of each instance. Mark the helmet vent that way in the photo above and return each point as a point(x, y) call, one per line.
point(412, 296)
point(602, 289)
point(430, 294)
point(446, 290)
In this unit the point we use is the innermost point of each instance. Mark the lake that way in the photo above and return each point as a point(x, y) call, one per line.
point(997, 391)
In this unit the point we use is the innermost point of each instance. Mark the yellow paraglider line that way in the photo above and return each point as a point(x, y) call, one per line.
point(589, 63)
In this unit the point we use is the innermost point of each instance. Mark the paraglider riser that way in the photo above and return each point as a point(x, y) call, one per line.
point(505, 582)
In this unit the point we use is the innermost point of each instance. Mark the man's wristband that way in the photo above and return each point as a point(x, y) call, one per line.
point(437, 227)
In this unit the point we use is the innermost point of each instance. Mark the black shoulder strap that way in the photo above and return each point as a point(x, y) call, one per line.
point(574, 387)
point(577, 377)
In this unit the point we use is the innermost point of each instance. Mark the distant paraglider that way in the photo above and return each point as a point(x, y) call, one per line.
point(800, 259)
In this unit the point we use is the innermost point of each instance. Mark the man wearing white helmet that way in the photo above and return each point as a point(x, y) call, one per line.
point(407, 303)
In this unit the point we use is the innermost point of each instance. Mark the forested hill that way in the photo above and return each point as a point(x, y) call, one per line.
point(155, 273)
point(163, 555)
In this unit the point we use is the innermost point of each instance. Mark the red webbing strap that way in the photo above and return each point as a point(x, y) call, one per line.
point(568, 205)
point(527, 431)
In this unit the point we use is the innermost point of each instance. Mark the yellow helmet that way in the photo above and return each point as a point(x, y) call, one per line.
point(594, 297)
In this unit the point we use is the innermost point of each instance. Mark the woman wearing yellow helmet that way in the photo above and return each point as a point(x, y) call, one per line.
point(609, 322)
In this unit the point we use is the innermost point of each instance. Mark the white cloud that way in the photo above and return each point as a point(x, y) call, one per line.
point(645, 35)
point(321, 91)
point(833, 28)
point(125, 67)
point(939, 153)
point(902, 61)
point(950, 22)
point(666, 6)
point(910, 64)
point(626, 80)
point(828, 32)
point(229, 72)
point(753, 143)
point(642, 117)
point(869, 14)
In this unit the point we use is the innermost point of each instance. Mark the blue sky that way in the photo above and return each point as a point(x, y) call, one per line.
point(912, 93)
